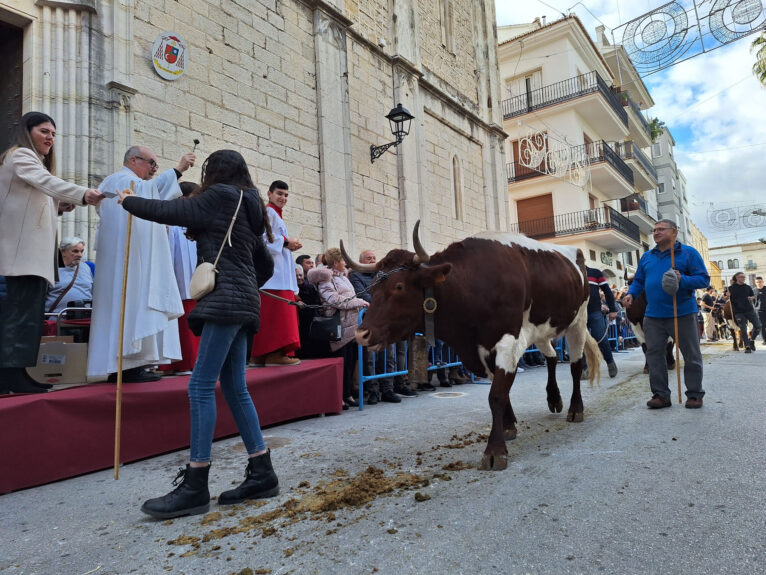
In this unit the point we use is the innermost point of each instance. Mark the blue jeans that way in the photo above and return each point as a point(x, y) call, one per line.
point(597, 326)
point(222, 351)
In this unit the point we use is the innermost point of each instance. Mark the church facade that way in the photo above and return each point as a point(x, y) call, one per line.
point(300, 87)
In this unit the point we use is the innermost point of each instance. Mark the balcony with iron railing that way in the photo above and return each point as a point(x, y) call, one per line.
point(644, 172)
point(609, 227)
point(636, 202)
point(564, 91)
point(639, 212)
point(600, 151)
point(751, 266)
point(594, 154)
point(640, 127)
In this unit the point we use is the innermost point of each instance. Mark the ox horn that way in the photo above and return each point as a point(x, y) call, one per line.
point(421, 255)
point(354, 265)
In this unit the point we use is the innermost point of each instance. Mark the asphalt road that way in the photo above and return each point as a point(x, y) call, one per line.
point(395, 489)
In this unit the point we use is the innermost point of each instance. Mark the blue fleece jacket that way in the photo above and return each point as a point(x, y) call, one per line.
point(648, 278)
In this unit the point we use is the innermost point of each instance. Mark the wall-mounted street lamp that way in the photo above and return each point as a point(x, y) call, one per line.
point(400, 120)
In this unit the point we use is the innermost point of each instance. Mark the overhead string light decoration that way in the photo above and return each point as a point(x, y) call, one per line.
point(737, 218)
point(541, 153)
point(682, 29)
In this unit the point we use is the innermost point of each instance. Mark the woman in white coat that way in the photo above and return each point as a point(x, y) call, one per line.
point(278, 339)
point(29, 204)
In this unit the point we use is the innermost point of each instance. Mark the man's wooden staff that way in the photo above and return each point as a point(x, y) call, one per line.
point(675, 321)
point(118, 406)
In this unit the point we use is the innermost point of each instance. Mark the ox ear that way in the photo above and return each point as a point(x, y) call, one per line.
point(432, 275)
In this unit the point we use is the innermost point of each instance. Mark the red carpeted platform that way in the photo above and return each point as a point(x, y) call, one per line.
point(60, 434)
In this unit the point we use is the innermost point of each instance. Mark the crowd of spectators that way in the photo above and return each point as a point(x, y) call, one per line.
point(158, 304)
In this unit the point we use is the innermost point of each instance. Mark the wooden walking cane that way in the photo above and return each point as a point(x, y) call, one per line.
point(675, 321)
point(118, 406)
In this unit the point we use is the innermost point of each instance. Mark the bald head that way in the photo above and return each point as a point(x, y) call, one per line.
point(367, 257)
point(142, 161)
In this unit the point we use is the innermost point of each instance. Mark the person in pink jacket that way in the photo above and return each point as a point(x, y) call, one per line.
point(337, 293)
point(30, 200)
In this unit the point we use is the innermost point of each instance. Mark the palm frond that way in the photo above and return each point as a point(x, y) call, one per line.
point(759, 67)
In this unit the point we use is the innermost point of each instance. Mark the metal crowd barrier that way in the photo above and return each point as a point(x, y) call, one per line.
point(618, 336)
point(560, 348)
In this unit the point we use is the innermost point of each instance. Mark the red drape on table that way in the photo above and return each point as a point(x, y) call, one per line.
point(68, 432)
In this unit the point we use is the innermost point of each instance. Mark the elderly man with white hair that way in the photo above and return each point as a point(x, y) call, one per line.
point(152, 300)
point(75, 281)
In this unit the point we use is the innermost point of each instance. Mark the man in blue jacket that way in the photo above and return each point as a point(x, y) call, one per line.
point(655, 277)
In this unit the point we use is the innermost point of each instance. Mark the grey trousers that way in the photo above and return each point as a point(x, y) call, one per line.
point(385, 363)
point(657, 331)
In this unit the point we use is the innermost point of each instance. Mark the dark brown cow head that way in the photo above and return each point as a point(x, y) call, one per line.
point(396, 309)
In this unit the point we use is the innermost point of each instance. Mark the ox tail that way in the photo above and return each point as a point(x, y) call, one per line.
point(593, 357)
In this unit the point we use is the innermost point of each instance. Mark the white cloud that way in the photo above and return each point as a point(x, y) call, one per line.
point(719, 103)
point(710, 102)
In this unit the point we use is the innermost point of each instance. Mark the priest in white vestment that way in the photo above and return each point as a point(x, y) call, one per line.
point(153, 302)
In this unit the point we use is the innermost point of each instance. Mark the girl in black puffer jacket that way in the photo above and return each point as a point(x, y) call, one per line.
point(223, 318)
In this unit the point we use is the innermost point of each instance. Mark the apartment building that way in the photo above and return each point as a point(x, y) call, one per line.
point(577, 169)
point(672, 203)
point(699, 242)
point(748, 257)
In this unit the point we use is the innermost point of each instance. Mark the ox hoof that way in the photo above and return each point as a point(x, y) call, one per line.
point(575, 416)
point(556, 407)
point(493, 462)
point(509, 434)
point(646, 370)
point(672, 366)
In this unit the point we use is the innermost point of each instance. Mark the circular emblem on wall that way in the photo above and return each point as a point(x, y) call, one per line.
point(169, 56)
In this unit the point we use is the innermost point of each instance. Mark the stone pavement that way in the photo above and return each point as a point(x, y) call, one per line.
point(395, 489)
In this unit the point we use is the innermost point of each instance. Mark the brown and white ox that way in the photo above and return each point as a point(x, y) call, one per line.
point(496, 295)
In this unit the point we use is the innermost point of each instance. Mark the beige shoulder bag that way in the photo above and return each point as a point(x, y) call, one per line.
point(203, 278)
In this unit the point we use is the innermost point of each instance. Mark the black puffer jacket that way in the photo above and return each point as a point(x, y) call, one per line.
point(244, 266)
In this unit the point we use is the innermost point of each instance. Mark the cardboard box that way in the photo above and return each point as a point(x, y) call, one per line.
point(61, 338)
point(60, 362)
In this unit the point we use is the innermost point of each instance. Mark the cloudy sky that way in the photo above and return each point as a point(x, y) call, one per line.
point(713, 106)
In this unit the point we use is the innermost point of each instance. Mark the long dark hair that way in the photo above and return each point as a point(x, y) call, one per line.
point(22, 139)
point(229, 167)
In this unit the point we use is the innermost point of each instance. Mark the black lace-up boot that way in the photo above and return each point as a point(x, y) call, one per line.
point(260, 482)
point(191, 497)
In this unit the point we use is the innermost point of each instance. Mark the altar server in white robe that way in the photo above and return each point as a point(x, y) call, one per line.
point(152, 301)
point(183, 252)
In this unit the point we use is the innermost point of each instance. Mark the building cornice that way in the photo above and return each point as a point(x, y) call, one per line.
point(331, 11)
point(84, 5)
